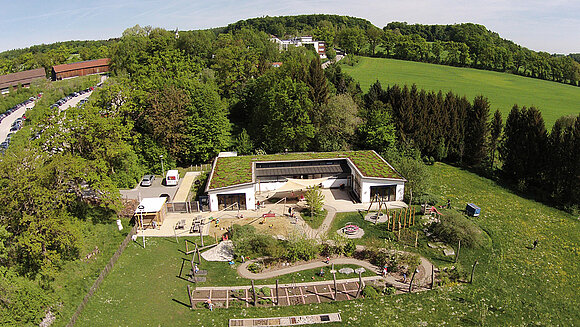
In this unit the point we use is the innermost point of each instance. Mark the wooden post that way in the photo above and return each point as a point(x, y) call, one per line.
point(413, 216)
point(198, 254)
point(215, 234)
point(432, 276)
point(186, 248)
point(193, 269)
point(334, 278)
point(458, 248)
point(399, 237)
point(358, 292)
point(190, 298)
point(393, 225)
point(472, 272)
point(412, 278)
point(254, 293)
point(277, 294)
point(200, 235)
point(416, 237)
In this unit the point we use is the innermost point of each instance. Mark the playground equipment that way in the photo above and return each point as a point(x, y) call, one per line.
point(350, 229)
point(376, 217)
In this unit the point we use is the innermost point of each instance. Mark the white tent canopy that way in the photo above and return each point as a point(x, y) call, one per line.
point(150, 205)
point(299, 184)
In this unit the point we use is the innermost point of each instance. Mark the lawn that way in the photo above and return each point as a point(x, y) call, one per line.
point(503, 90)
point(76, 277)
point(316, 220)
point(513, 285)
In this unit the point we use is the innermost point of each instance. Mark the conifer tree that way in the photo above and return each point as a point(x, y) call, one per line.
point(496, 127)
point(476, 132)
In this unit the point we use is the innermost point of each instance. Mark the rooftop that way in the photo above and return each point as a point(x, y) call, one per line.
point(81, 65)
point(230, 171)
point(24, 77)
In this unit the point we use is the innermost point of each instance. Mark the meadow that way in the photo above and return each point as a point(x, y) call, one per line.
point(502, 89)
point(513, 285)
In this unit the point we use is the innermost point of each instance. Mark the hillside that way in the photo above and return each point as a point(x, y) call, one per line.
point(503, 90)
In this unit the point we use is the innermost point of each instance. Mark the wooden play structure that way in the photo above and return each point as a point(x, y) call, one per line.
point(395, 219)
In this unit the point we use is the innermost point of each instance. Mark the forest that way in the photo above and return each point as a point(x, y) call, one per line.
point(190, 95)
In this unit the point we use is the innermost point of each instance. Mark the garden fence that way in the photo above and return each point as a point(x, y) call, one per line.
point(102, 276)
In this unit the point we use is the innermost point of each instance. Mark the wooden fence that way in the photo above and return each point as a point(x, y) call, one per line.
point(102, 276)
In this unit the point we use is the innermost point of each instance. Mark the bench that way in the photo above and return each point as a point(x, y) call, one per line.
point(180, 224)
point(269, 215)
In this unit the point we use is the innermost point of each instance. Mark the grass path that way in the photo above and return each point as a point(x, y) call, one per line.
point(503, 90)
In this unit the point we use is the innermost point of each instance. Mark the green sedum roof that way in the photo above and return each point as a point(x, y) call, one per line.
point(230, 171)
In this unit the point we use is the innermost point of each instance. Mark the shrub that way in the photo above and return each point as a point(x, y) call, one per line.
point(454, 226)
point(370, 292)
point(249, 243)
point(349, 248)
point(255, 267)
point(266, 291)
point(389, 290)
point(300, 249)
point(411, 260)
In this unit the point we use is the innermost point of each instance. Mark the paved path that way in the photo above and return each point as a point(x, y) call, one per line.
point(337, 59)
point(244, 272)
point(423, 277)
point(8, 120)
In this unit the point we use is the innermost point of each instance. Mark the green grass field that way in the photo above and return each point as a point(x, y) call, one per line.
point(503, 90)
point(513, 286)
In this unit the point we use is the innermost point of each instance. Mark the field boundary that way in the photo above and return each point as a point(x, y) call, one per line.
point(102, 276)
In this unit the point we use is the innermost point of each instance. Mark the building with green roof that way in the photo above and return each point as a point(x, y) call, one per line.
point(236, 181)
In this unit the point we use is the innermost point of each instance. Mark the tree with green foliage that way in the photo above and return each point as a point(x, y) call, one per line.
point(314, 199)
point(352, 40)
point(476, 131)
point(337, 128)
point(495, 127)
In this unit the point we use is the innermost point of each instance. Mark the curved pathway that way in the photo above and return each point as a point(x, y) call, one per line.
point(422, 278)
point(244, 272)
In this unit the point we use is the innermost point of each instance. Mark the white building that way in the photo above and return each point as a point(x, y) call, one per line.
point(301, 41)
point(237, 181)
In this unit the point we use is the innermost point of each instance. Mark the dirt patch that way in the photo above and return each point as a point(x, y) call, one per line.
point(273, 226)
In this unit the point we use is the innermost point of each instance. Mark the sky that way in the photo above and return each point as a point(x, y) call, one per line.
point(547, 25)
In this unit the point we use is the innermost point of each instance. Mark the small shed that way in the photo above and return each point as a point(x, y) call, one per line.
point(151, 210)
point(472, 210)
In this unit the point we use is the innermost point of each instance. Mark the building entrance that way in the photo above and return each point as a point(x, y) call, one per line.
point(385, 192)
point(228, 201)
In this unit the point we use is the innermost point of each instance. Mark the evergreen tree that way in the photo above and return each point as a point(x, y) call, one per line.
point(476, 132)
point(316, 80)
point(496, 127)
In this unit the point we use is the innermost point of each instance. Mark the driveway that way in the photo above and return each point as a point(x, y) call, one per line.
point(154, 191)
point(7, 122)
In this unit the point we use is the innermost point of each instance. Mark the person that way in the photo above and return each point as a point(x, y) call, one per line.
point(209, 304)
point(385, 271)
point(321, 272)
point(290, 211)
point(448, 204)
point(196, 268)
point(258, 204)
point(327, 260)
point(535, 244)
point(404, 277)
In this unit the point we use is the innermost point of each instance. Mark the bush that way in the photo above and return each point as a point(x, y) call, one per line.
point(266, 291)
point(411, 260)
point(454, 226)
point(300, 249)
point(255, 267)
point(389, 290)
point(249, 243)
point(370, 292)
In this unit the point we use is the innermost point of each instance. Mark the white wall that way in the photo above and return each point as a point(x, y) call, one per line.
point(334, 182)
point(367, 183)
point(247, 189)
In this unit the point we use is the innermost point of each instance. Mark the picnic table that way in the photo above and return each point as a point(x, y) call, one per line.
point(180, 224)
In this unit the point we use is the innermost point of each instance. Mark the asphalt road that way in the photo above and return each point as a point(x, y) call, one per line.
point(153, 191)
point(7, 122)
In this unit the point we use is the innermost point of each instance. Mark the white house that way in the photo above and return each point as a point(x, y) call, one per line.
point(301, 41)
point(236, 181)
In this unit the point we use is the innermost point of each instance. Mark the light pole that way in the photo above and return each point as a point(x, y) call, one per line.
point(162, 169)
point(141, 207)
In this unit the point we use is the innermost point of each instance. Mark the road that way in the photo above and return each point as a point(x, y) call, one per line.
point(337, 59)
point(7, 122)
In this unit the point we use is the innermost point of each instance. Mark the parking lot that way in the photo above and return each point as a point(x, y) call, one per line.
point(154, 191)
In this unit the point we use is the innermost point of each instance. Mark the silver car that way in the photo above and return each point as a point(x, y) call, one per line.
point(147, 180)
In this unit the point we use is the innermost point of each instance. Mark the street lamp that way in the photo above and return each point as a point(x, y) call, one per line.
point(162, 170)
point(141, 207)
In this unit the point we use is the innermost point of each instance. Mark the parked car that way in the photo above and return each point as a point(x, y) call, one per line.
point(147, 180)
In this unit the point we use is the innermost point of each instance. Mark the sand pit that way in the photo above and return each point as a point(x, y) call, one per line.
point(273, 226)
point(221, 252)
